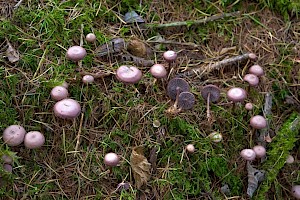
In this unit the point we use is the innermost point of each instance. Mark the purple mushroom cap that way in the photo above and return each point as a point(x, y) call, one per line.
point(177, 85)
point(170, 56)
point(91, 37)
point(67, 109)
point(252, 56)
point(252, 79)
point(158, 71)
point(258, 122)
point(7, 159)
point(88, 79)
point(260, 151)
point(76, 53)
point(214, 92)
point(249, 106)
point(8, 168)
point(34, 140)
point(111, 159)
point(236, 94)
point(186, 100)
point(256, 70)
point(129, 74)
point(58, 93)
point(296, 191)
point(14, 135)
point(248, 154)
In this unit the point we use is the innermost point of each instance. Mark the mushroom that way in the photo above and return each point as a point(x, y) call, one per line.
point(91, 37)
point(14, 135)
point(252, 79)
point(190, 148)
point(290, 159)
point(34, 140)
point(258, 122)
point(65, 85)
point(215, 137)
point(256, 70)
point(88, 79)
point(58, 93)
point(186, 100)
point(8, 168)
point(123, 186)
point(236, 95)
point(260, 151)
point(111, 159)
point(158, 71)
point(76, 53)
point(67, 109)
point(296, 191)
point(210, 93)
point(252, 56)
point(176, 86)
point(170, 56)
point(7, 159)
point(128, 74)
point(249, 106)
point(248, 154)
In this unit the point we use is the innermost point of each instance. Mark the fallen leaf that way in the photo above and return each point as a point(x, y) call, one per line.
point(268, 139)
point(12, 54)
point(226, 50)
point(140, 167)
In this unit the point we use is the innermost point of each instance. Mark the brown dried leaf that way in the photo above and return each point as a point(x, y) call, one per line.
point(12, 54)
point(226, 50)
point(140, 166)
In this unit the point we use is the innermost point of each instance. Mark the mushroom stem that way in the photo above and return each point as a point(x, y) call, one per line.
point(208, 115)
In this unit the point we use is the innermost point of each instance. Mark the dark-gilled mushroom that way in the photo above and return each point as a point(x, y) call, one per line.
point(58, 93)
point(34, 140)
point(176, 86)
point(210, 93)
point(14, 135)
point(186, 100)
point(128, 74)
point(76, 53)
point(67, 109)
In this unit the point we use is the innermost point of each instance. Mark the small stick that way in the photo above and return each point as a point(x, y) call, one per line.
point(216, 66)
point(78, 134)
point(18, 4)
point(194, 22)
point(175, 43)
point(263, 133)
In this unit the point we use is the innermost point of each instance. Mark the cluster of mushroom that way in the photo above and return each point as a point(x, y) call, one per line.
point(7, 163)
point(257, 151)
point(15, 135)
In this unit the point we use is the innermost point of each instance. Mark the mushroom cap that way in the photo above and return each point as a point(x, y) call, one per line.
point(260, 151)
point(7, 159)
point(249, 106)
point(34, 140)
point(186, 100)
point(14, 135)
point(252, 56)
point(91, 37)
point(190, 148)
point(67, 109)
point(215, 137)
point(123, 186)
point(65, 85)
point(290, 159)
point(236, 94)
point(128, 74)
point(248, 154)
point(256, 70)
point(58, 93)
point(76, 53)
point(177, 85)
point(88, 79)
point(158, 71)
point(170, 56)
point(258, 122)
point(111, 159)
point(214, 92)
point(296, 191)
point(252, 79)
point(8, 168)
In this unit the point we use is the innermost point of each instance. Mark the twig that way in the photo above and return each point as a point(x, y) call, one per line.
point(175, 43)
point(194, 22)
point(216, 66)
point(78, 134)
point(18, 4)
point(264, 133)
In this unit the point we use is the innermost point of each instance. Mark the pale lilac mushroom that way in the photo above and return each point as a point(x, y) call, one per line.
point(8, 168)
point(88, 79)
point(111, 159)
point(58, 93)
point(14, 135)
point(176, 86)
point(34, 140)
point(190, 148)
point(256, 70)
point(258, 122)
point(290, 159)
point(248, 154)
point(76, 53)
point(296, 191)
point(67, 109)
point(7, 159)
point(128, 74)
point(252, 56)
point(236, 94)
point(260, 151)
point(249, 106)
point(158, 71)
point(251, 79)
point(170, 56)
point(91, 37)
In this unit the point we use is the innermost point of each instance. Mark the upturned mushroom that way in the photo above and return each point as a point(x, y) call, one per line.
point(248, 154)
point(76, 53)
point(14, 135)
point(128, 74)
point(34, 140)
point(186, 100)
point(67, 109)
point(210, 93)
point(58, 93)
point(111, 159)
